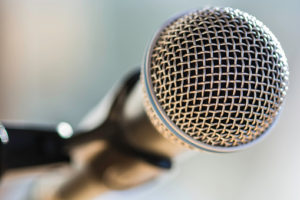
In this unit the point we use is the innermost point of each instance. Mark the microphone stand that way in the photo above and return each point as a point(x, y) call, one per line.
point(120, 153)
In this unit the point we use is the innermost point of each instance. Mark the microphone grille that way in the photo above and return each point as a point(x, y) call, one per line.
point(214, 79)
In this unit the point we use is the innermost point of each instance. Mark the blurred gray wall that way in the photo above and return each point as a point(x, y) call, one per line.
point(58, 58)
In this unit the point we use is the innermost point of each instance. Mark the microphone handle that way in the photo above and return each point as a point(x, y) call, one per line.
point(123, 109)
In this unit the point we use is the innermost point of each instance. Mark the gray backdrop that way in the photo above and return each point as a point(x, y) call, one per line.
point(58, 58)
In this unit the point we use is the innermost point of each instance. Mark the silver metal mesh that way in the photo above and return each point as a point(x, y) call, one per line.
point(219, 75)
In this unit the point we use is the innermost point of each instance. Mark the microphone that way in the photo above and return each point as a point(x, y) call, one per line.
point(213, 79)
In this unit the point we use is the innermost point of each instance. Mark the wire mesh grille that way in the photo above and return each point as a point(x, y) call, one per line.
point(219, 75)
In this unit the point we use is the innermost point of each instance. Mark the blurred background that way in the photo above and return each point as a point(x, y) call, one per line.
point(58, 58)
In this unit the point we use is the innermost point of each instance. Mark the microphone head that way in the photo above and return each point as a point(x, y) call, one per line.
point(214, 79)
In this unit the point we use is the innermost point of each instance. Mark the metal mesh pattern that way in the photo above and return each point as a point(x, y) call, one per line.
point(219, 75)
